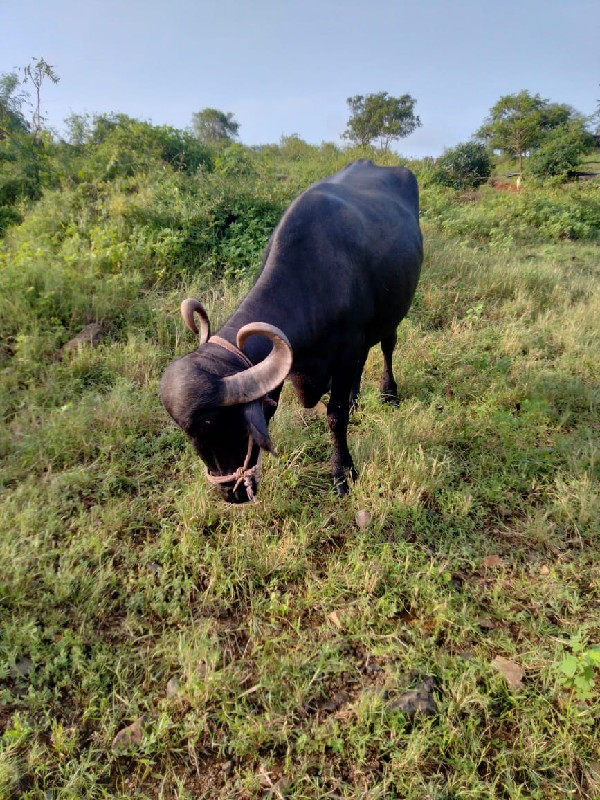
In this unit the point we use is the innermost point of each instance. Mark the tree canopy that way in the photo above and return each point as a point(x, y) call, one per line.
point(211, 126)
point(36, 73)
point(12, 99)
point(380, 117)
point(518, 123)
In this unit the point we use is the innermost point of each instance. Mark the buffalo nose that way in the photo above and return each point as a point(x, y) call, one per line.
point(239, 495)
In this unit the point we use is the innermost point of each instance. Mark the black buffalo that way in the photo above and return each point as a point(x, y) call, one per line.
point(339, 274)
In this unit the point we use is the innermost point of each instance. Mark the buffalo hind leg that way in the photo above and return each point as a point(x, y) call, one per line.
point(357, 378)
point(388, 387)
point(338, 415)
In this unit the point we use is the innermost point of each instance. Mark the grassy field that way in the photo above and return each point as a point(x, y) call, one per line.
point(156, 643)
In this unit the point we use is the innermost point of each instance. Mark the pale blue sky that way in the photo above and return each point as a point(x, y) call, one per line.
point(287, 66)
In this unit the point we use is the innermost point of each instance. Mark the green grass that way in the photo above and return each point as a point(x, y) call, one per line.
point(290, 630)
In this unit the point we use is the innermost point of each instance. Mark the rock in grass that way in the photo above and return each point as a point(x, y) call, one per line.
point(129, 736)
point(490, 562)
point(363, 519)
point(91, 335)
point(173, 687)
point(512, 673)
point(417, 701)
point(22, 668)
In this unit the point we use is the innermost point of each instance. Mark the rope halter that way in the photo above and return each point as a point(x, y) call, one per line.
point(244, 474)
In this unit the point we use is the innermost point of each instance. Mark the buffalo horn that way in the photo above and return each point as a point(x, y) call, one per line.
point(259, 380)
point(188, 307)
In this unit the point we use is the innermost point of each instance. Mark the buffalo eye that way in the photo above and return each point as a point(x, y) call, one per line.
point(202, 426)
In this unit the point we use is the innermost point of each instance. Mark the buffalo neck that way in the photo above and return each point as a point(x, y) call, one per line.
point(260, 306)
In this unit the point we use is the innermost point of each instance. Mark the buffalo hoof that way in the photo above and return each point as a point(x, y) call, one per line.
point(389, 399)
point(341, 487)
point(340, 482)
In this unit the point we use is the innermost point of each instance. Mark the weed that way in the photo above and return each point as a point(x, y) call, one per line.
point(578, 669)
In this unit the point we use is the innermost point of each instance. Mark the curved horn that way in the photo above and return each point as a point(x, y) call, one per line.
point(187, 308)
point(257, 381)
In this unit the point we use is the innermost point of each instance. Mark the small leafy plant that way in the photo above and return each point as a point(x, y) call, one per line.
point(579, 669)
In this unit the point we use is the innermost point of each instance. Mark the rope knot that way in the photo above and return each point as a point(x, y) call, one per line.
point(242, 474)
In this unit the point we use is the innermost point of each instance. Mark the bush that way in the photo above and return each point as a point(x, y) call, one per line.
point(561, 152)
point(8, 217)
point(116, 146)
point(84, 253)
point(465, 166)
point(234, 160)
point(499, 218)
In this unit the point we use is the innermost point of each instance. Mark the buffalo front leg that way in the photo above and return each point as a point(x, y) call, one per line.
point(338, 414)
point(388, 387)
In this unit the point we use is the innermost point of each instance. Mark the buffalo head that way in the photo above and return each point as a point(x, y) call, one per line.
point(221, 401)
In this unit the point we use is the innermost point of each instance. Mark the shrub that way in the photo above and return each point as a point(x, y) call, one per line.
point(561, 151)
point(234, 160)
point(465, 166)
point(8, 217)
point(501, 217)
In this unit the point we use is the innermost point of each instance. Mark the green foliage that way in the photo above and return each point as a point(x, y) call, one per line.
point(24, 169)
point(12, 100)
point(234, 160)
point(503, 219)
point(561, 151)
point(294, 164)
point(380, 117)
point(36, 73)
point(212, 126)
point(465, 166)
point(579, 669)
point(112, 146)
point(84, 252)
point(294, 148)
point(518, 123)
point(8, 216)
point(25, 163)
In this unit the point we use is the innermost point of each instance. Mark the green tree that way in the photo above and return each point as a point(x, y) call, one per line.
point(36, 73)
point(12, 99)
point(465, 166)
point(595, 119)
point(517, 123)
point(78, 129)
point(25, 166)
point(561, 151)
point(380, 117)
point(212, 126)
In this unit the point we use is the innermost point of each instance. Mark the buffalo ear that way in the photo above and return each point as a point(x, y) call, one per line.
point(257, 426)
